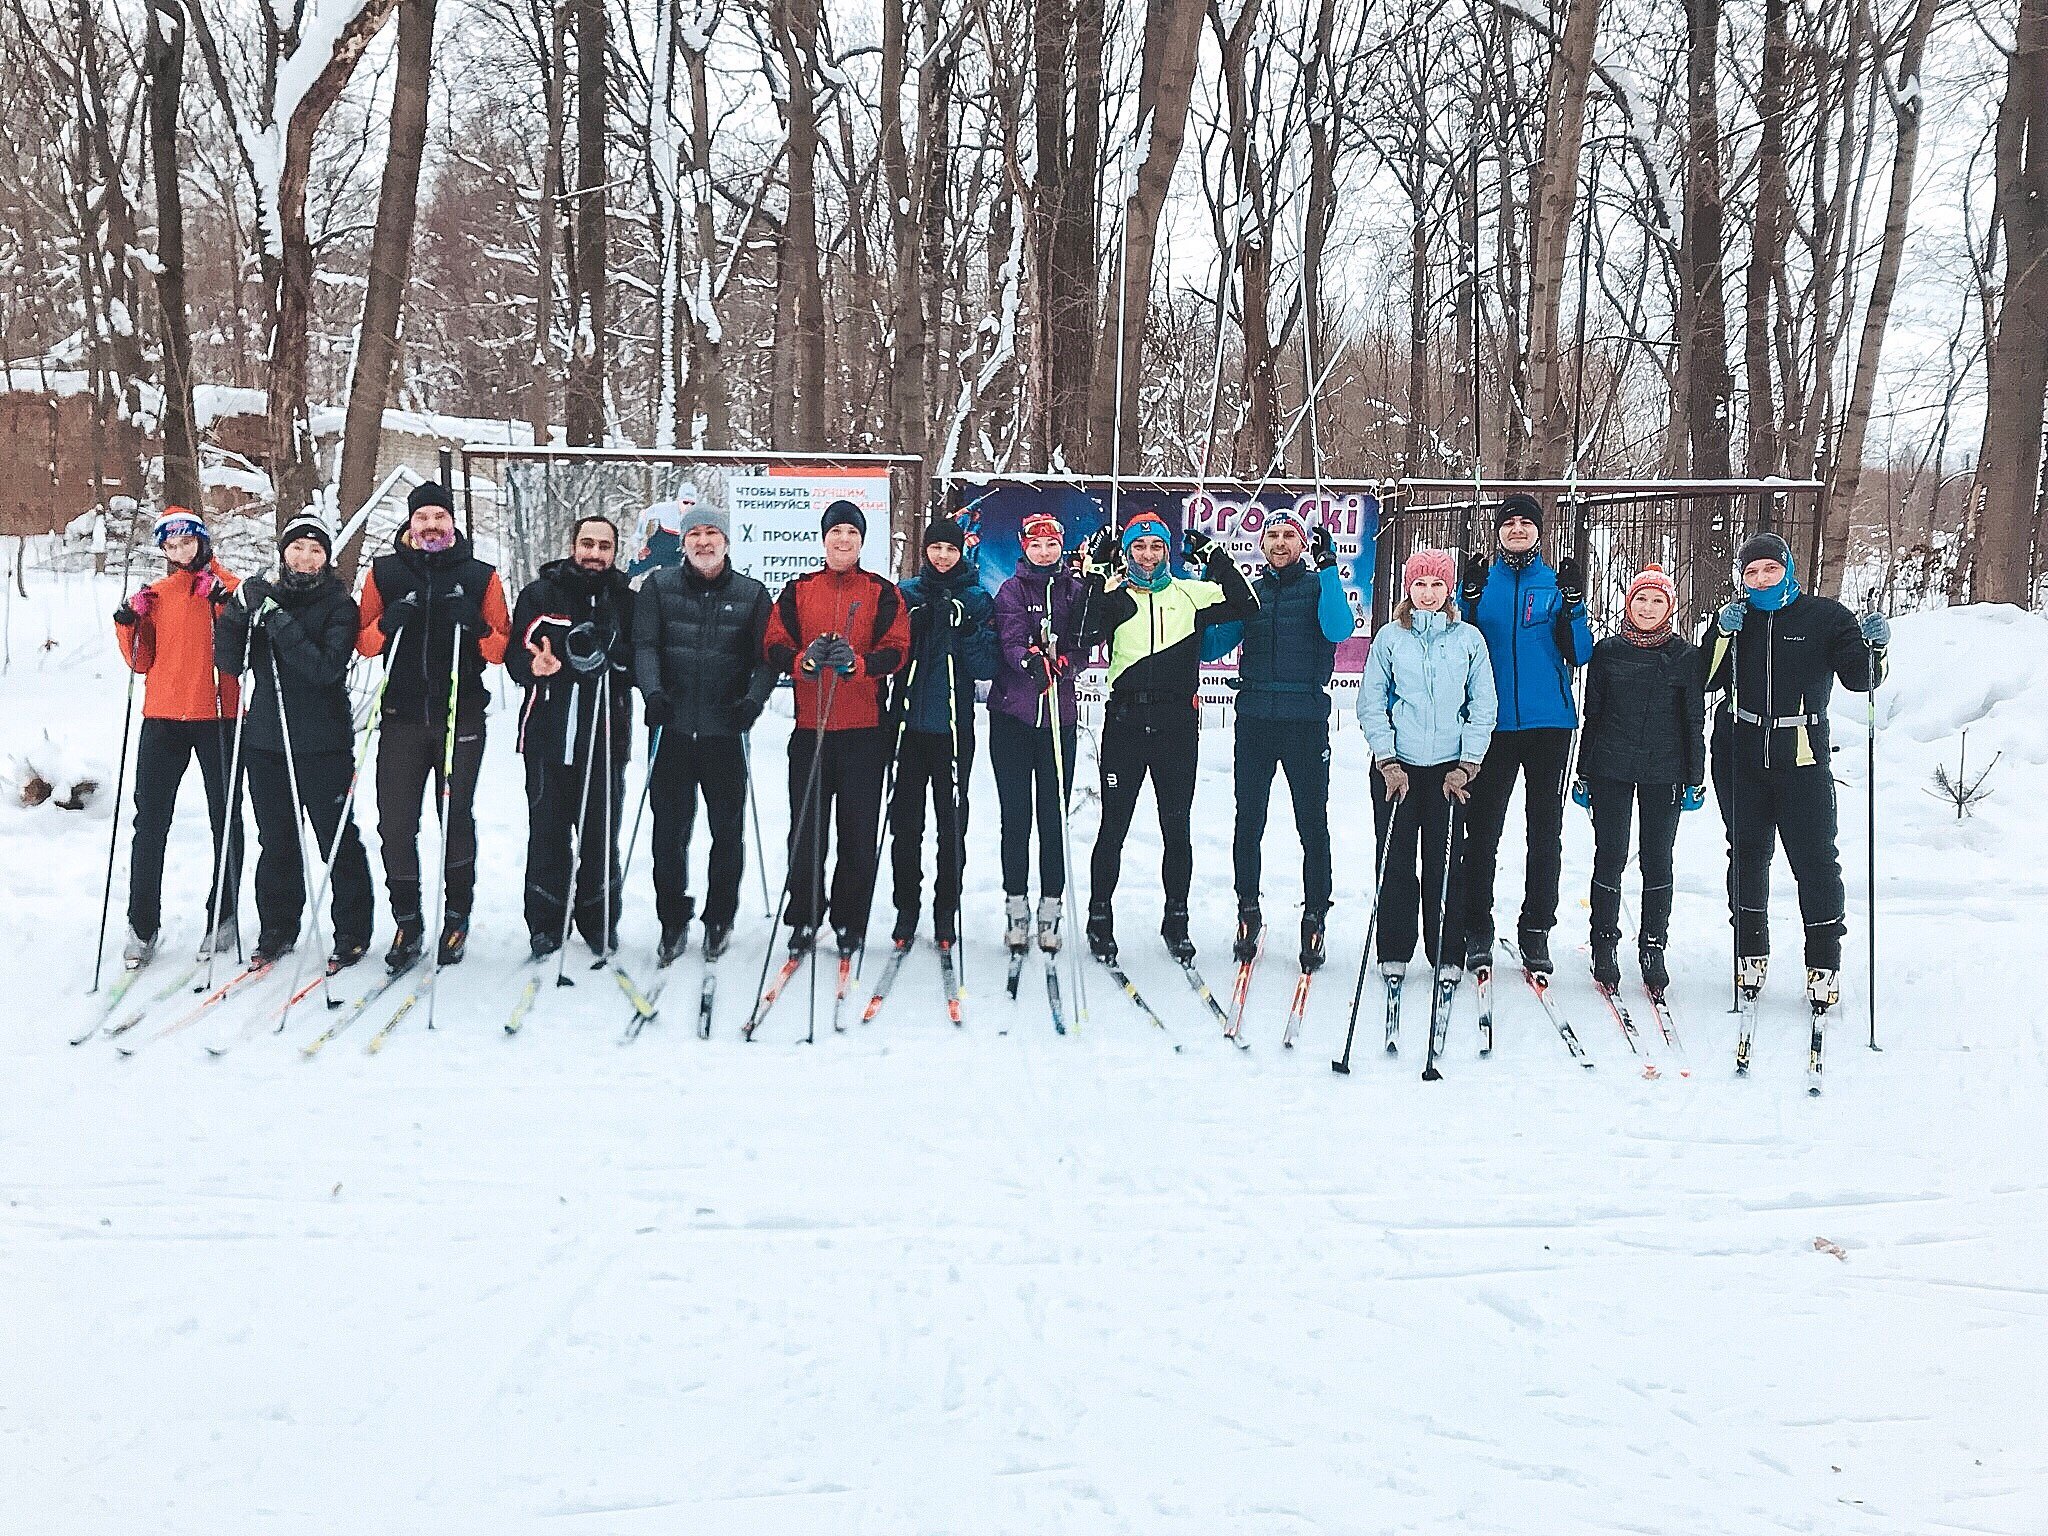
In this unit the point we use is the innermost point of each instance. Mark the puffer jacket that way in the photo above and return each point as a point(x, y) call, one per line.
point(934, 635)
point(697, 643)
point(172, 647)
point(312, 633)
point(1426, 696)
point(563, 598)
point(1646, 714)
point(1290, 644)
point(1534, 638)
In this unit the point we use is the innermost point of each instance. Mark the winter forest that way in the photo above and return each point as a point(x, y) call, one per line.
point(1369, 238)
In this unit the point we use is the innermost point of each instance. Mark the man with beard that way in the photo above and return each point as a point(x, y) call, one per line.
point(436, 614)
point(573, 654)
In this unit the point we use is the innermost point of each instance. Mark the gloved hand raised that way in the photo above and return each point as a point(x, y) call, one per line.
point(1473, 583)
point(1322, 549)
point(1571, 581)
point(136, 608)
point(1876, 629)
point(1730, 619)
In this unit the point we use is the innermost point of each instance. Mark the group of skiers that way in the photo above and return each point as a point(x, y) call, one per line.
point(1469, 688)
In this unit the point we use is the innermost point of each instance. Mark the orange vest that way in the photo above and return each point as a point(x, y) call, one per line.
point(172, 647)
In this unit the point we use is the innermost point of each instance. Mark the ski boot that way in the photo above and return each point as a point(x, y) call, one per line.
point(1750, 971)
point(1479, 951)
point(1250, 924)
point(1606, 962)
point(454, 938)
point(906, 926)
point(348, 949)
point(1823, 988)
point(1656, 977)
point(848, 942)
point(407, 945)
point(1102, 932)
point(544, 944)
point(716, 937)
point(272, 947)
point(1312, 925)
point(1049, 924)
point(138, 951)
point(1534, 944)
point(226, 939)
point(1174, 929)
point(1016, 922)
point(803, 937)
point(946, 927)
point(674, 939)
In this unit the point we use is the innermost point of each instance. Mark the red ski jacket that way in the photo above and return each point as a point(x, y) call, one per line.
point(859, 605)
point(172, 647)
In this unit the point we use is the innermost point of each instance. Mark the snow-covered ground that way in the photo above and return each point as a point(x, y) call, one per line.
point(919, 1279)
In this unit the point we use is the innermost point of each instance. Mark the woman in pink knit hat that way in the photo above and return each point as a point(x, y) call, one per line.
point(1643, 745)
point(1426, 703)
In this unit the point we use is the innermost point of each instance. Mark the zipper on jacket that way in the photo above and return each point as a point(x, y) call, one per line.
point(1770, 702)
point(1515, 646)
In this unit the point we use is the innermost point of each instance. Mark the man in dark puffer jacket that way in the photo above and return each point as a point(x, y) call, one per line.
point(572, 651)
point(303, 618)
point(697, 633)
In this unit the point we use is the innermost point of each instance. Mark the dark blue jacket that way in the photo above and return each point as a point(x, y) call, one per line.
point(1290, 644)
point(1534, 641)
point(933, 634)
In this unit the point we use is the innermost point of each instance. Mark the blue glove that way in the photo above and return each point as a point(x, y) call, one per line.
point(1877, 630)
point(1582, 794)
point(1733, 612)
point(1692, 797)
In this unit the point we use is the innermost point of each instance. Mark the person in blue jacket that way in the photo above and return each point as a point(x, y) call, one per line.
point(952, 646)
point(1534, 623)
point(1283, 715)
point(1426, 705)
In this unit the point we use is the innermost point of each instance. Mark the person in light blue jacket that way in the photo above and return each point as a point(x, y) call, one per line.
point(1426, 703)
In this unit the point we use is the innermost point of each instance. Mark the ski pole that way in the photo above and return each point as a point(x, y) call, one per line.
point(902, 715)
point(231, 818)
point(959, 826)
point(601, 741)
point(754, 807)
point(1051, 698)
point(99, 953)
point(1870, 831)
point(1430, 1074)
point(562, 977)
point(633, 837)
point(299, 816)
point(447, 790)
point(1371, 923)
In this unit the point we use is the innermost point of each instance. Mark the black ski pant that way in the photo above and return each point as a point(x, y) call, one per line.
point(924, 768)
point(1028, 787)
point(1761, 808)
point(1614, 804)
point(848, 798)
point(1302, 749)
point(280, 875)
point(1420, 889)
point(162, 749)
point(554, 794)
point(1161, 740)
point(1540, 757)
point(683, 768)
point(409, 757)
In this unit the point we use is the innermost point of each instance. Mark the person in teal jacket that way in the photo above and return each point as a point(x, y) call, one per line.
point(1534, 623)
point(1426, 704)
point(1283, 716)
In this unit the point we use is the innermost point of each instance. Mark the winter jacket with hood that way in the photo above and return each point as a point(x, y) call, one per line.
point(1022, 606)
point(697, 643)
point(310, 628)
point(1426, 696)
point(1646, 714)
point(1534, 638)
point(1155, 637)
point(970, 640)
point(586, 618)
point(455, 589)
point(172, 647)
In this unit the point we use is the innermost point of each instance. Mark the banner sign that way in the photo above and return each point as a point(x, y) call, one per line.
point(993, 512)
point(775, 518)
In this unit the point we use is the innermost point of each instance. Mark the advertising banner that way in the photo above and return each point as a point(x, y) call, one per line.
point(775, 518)
point(993, 511)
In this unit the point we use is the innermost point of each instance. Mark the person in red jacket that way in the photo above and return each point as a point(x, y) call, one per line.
point(188, 711)
point(428, 607)
point(838, 631)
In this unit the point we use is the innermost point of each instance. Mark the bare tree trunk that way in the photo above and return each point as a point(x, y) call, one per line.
point(1418, 308)
point(707, 333)
point(1766, 451)
point(1709, 387)
point(1166, 78)
point(1848, 466)
point(908, 409)
point(796, 34)
point(165, 68)
point(590, 345)
point(2016, 382)
point(540, 389)
point(1064, 209)
point(390, 264)
point(1258, 428)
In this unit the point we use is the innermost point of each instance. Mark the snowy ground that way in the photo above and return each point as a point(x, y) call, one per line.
point(917, 1279)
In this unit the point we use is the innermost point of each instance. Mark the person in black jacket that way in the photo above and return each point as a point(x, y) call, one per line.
point(1643, 743)
point(697, 635)
point(572, 651)
point(952, 646)
point(298, 628)
point(1775, 657)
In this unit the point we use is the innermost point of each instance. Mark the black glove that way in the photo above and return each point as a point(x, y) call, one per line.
point(1198, 548)
point(745, 711)
point(840, 656)
point(1039, 668)
point(467, 611)
point(1474, 581)
point(1571, 581)
point(586, 649)
point(659, 709)
point(399, 614)
point(1322, 550)
point(126, 615)
point(1103, 551)
point(817, 655)
point(253, 594)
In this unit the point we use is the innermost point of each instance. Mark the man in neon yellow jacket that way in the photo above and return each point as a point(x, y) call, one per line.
point(1153, 621)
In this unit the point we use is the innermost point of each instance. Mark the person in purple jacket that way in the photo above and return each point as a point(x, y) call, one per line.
point(1038, 651)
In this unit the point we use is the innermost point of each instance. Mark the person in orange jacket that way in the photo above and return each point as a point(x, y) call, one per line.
point(165, 631)
point(428, 607)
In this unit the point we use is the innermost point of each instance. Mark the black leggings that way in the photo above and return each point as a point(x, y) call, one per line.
point(161, 752)
point(1613, 802)
point(924, 767)
point(1028, 785)
point(1162, 740)
point(1540, 757)
point(1410, 893)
